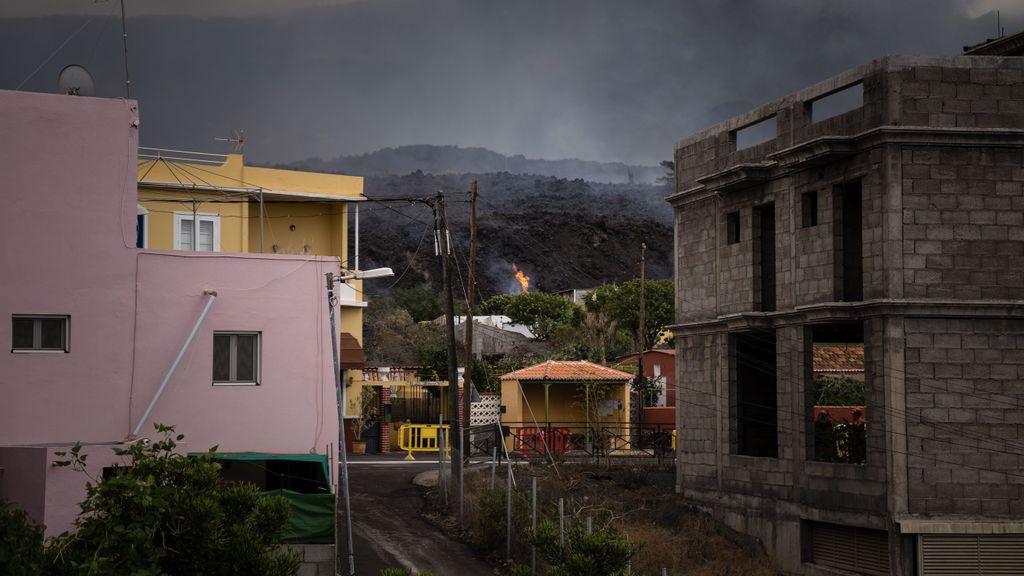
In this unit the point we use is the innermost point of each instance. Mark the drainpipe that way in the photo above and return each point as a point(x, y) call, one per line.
point(213, 296)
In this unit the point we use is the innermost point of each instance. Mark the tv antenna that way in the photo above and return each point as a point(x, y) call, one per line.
point(75, 80)
point(237, 140)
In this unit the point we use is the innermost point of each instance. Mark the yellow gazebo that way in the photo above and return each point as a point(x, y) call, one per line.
point(566, 392)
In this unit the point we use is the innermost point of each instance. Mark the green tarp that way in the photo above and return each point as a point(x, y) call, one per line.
point(311, 520)
point(312, 515)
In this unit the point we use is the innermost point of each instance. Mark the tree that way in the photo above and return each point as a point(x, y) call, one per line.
point(389, 334)
point(543, 313)
point(421, 302)
point(495, 305)
point(167, 513)
point(670, 173)
point(622, 304)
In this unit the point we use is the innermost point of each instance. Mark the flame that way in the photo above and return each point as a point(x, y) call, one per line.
point(523, 279)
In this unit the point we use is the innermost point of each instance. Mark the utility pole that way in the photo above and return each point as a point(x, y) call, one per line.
point(445, 251)
point(467, 380)
point(640, 348)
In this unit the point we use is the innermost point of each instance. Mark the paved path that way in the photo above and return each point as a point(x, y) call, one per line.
point(388, 530)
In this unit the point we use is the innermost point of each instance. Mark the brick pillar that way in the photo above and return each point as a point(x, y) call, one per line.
point(462, 410)
point(385, 422)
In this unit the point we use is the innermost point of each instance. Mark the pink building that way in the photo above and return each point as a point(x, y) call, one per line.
point(94, 323)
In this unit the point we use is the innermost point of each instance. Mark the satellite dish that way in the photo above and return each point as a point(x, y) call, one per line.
point(76, 81)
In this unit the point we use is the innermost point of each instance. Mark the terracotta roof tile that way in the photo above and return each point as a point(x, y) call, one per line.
point(568, 370)
point(838, 358)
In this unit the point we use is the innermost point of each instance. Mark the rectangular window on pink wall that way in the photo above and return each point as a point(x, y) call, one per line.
point(39, 333)
point(236, 358)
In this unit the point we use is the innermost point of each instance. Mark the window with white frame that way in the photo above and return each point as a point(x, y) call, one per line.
point(199, 232)
point(39, 333)
point(236, 357)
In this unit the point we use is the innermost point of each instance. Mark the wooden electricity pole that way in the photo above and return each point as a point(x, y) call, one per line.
point(467, 379)
point(641, 385)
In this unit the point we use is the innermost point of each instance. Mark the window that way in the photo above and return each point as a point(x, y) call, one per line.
point(764, 257)
point(141, 227)
point(754, 406)
point(753, 134)
point(39, 333)
point(836, 103)
point(838, 399)
point(849, 249)
point(185, 236)
point(732, 228)
point(236, 357)
point(808, 209)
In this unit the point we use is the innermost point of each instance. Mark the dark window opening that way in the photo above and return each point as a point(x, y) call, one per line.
point(849, 548)
point(235, 358)
point(294, 475)
point(808, 209)
point(764, 257)
point(732, 228)
point(39, 333)
point(753, 134)
point(755, 408)
point(837, 393)
point(849, 249)
point(836, 103)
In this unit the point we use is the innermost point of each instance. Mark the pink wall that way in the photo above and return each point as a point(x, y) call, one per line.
point(281, 297)
point(67, 174)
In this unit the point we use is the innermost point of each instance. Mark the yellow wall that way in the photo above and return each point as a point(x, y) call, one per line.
point(319, 228)
point(566, 402)
point(234, 229)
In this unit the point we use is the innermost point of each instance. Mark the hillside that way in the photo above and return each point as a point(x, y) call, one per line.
point(457, 160)
point(562, 233)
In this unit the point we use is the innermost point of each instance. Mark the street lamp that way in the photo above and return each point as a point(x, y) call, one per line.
point(340, 390)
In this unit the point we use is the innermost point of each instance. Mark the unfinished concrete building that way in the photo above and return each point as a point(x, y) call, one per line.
point(882, 209)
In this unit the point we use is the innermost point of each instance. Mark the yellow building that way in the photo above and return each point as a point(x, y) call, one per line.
point(215, 203)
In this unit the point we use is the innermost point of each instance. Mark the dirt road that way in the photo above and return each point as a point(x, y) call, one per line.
point(387, 528)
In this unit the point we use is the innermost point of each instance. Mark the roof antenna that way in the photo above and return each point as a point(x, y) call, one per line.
point(124, 36)
point(237, 140)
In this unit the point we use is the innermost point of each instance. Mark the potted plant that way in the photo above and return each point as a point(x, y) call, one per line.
point(367, 416)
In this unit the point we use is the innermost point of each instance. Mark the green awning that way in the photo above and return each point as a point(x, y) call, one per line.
point(311, 520)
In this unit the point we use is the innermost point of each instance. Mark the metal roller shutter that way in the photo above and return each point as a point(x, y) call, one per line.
point(972, 554)
point(857, 550)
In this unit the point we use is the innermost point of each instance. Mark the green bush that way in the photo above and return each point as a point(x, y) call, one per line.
point(166, 513)
point(21, 542)
point(603, 552)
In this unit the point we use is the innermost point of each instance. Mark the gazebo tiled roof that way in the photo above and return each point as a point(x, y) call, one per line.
point(568, 371)
point(838, 358)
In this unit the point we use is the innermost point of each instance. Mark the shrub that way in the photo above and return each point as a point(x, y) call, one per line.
point(166, 513)
point(21, 542)
point(603, 552)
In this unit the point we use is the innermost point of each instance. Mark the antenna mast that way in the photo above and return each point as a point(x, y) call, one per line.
point(124, 37)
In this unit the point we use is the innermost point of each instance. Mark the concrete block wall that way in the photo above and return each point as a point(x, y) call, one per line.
point(965, 416)
point(696, 236)
point(963, 223)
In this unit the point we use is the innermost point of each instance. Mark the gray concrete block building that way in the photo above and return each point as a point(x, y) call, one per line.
point(881, 208)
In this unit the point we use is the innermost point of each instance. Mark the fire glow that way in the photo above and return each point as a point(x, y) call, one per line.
point(523, 279)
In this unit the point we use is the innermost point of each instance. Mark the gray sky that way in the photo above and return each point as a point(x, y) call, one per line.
point(593, 79)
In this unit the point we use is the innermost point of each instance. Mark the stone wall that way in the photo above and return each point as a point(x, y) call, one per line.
point(963, 223)
point(965, 416)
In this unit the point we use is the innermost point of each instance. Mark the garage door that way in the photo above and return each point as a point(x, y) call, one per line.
point(971, 554)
